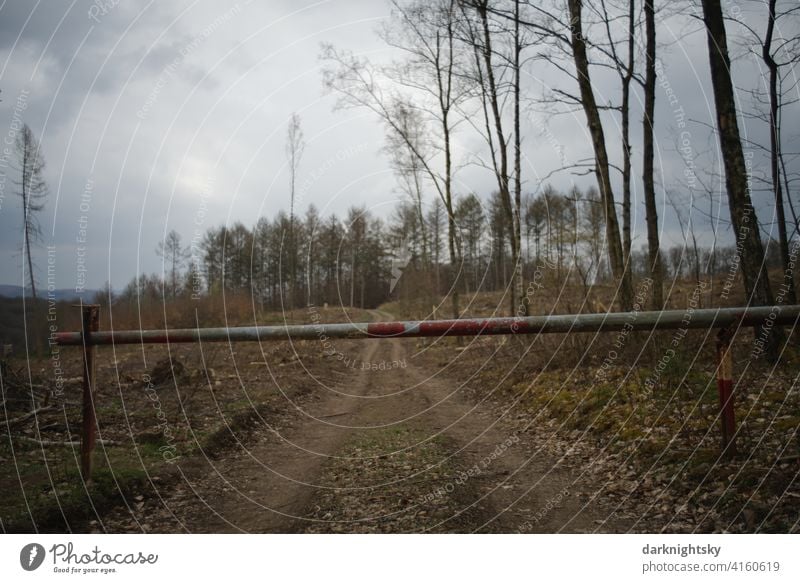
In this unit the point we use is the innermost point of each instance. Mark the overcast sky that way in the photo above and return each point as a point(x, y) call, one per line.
point(173, 115)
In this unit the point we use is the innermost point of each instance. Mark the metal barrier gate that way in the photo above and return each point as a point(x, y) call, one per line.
point(725, 319)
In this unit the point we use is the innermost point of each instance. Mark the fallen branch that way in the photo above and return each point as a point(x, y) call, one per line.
point(26, 416)
point(107, 442)
point(334, 415)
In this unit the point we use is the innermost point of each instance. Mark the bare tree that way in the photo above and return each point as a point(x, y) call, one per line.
point(403, 148)
point(434, 218)
point(769, 54)
point(686, 225)
point(356, 230)
point(32, 189)
point(425, 32)
point(655, 262)
point(743, 215)
point(624, 64)
point(590, 236)
point(174, 256)
point(488, 72)
point(619, 265)
point(780, 54)
point(311, 244)
point(623, 61)
point(295, 146)
point(521, 298)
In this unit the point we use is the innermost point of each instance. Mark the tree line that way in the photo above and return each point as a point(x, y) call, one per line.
point(361, 260)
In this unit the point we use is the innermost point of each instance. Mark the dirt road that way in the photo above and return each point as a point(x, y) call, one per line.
point(392, 445)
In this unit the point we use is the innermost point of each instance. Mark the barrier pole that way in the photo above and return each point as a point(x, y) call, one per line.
point(91, 323)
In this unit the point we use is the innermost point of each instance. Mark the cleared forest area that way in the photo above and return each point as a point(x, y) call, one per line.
point(458, 161)
point(575, 433)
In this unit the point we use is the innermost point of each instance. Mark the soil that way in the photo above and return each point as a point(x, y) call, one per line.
point(385, 441)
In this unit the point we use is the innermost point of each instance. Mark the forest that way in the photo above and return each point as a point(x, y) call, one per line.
point(471, 67)
point(365, 261)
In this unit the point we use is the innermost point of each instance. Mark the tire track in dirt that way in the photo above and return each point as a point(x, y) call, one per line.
point(391, 446)
point(264, 486)
point(487, 472)
point(521, 486)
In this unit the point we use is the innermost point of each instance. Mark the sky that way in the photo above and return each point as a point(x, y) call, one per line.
point(155, 116)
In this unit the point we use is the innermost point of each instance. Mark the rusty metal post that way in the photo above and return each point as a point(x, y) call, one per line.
point(725, 388)
point(91, 323)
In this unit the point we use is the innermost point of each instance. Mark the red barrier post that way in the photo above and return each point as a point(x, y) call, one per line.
point(725, 388)
point(91, 323)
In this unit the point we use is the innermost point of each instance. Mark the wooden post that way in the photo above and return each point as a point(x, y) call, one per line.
point(725, 388)
point(91, 323)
